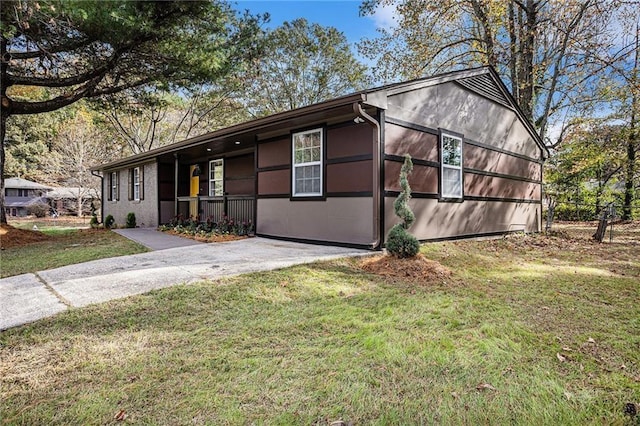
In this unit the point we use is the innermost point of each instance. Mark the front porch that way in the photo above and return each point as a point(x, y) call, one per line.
point(209, 181)
point(240, 208)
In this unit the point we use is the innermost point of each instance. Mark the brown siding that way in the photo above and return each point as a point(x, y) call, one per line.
point(350, 177)
point(435, 219)
point(341, 219)
point(240, 186)
point(489, 186)
point(347, 141)
point(423, 178)
point(275, 153)
point(274, 182)
point(492, 161)
point(400, 141)
point(239, 166)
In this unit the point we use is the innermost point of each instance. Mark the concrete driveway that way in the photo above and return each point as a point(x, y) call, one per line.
point(29, 297)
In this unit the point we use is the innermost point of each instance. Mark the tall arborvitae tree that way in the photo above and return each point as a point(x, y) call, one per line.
point(401, 243)
point(92, 48)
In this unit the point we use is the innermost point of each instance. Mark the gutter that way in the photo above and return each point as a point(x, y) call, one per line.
point(94, 173)
point(357, 108)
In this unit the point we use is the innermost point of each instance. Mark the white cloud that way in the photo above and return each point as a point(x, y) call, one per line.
point(385, 17)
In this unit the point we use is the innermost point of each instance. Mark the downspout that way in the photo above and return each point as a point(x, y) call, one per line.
point(357, 108)
point(93, 172)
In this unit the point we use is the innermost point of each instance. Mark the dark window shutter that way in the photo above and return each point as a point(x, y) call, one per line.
point(117, 195)
point(141, 178)
point(130, 184)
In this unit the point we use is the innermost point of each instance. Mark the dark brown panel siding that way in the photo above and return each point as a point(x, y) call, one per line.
point(240, 187)
point(274, 182)
point(488, 186)
point(492, 161)
point(276, 153)
point(348, 141)
point(239, 166)
point(350, 177)
point(423, 178)
point(400, 141)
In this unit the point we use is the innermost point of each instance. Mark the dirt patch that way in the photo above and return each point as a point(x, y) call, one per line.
point(14, 237)
point(417, 269)
point(213, 238)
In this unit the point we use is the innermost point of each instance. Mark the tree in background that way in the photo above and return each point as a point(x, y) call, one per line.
point(307, 63)
point(88, 49)
point(78, 146)
point(148, 121)
point(585, 173)
point(549, 52)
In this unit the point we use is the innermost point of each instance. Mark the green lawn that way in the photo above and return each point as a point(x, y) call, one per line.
point(528, 330)
point(67, 246)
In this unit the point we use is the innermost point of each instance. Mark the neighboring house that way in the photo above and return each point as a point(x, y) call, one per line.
point(329, 172)
point(70, 200)
point(20, 194)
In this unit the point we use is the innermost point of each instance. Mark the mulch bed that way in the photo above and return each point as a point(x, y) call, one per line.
point(15, 237)
point(214, 238)
point(417, 269)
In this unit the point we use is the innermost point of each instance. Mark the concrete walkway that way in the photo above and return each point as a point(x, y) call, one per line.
point(29, 297)
point(154, 239)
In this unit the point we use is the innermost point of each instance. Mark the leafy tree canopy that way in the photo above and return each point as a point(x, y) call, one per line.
point(307, 63)
point(85, 49)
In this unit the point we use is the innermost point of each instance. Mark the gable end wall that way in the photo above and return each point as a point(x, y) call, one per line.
point(502, 164)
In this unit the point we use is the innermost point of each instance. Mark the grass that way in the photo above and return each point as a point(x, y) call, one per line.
point(66, 247)
point(528, 330)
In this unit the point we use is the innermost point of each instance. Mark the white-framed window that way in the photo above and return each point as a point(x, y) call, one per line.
point(451, 165)
point(136, 184)
point(216, 178)
point(307, 163)
point(113, 194)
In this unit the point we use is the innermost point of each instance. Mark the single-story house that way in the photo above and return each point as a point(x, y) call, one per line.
point(21, 193)
point(328, 172)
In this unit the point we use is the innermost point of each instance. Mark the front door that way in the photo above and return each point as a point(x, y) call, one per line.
point(194, 190)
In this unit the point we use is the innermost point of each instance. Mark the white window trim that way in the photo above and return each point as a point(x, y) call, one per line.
point(114, 186)
point(444, 166)
point(212, 181)
point(136, 183)
point(295, 165)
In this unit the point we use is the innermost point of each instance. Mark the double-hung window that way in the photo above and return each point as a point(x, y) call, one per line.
point(307, 163)
point(451, 165)
point(136, 183)
point(113, 194)
point(216, 178)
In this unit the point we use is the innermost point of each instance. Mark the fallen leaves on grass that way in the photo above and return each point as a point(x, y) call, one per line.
point(15, 237)
point(485, 386)
point(120, 416)
point(414, 269)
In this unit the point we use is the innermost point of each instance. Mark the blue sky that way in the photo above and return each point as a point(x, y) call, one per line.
point(343, 15)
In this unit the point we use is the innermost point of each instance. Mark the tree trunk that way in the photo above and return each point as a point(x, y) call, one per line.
point(4, 117)
point(602, 226)
point(632, 140)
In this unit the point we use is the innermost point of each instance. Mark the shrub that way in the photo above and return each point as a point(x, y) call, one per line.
point(401, 243)
point(38, 209)
point(131, 220)
point(109, 222)
point(94, 221)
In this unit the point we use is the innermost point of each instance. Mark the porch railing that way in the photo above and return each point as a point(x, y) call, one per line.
point(240, 208)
